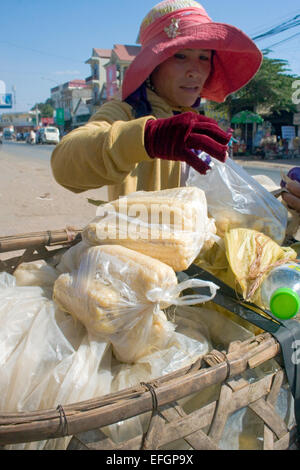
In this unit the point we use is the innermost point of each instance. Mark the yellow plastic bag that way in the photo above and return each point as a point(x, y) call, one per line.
point(251, 255)
point(242, 260)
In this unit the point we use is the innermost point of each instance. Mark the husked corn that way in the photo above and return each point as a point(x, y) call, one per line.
point(110, 288)
point(145, 338)
point(170, 225)
point(92, 310)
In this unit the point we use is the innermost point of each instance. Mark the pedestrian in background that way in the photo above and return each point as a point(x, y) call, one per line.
point(32, 137)
point(232, 141)
point(149, 139)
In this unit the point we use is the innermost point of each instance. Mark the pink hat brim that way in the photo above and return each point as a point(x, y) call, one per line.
point(236, 59)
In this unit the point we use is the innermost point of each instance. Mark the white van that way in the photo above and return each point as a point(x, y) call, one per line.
point(49, 135)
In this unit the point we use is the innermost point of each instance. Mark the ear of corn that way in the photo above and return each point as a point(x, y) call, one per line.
point(170, 225)
point(150, 334)
point(109, 291)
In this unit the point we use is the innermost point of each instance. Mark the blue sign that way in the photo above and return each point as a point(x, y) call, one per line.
point(288, 132)
point(6, 100)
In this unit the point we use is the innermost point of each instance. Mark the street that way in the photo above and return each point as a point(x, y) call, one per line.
point(27, 151)
point(32, 201)
point(273, 173)
point(41, 153)
point(30, 198)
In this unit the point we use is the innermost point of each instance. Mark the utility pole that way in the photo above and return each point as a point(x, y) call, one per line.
point(37, 115)
point(14, 95)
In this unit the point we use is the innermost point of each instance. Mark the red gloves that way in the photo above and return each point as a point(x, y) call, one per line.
point(180, 137)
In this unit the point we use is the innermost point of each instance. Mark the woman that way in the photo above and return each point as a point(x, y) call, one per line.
point(150, 138)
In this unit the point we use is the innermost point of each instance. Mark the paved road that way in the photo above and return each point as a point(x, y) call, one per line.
point(274, 174)
point(27, 151)
point(43, 153)
point(30, 198)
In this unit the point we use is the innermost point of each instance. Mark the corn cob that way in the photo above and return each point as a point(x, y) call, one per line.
point(170, 225)
point(145, 338)
point(110, 289)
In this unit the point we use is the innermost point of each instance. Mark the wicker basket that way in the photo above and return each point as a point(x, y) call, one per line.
point(187, 409)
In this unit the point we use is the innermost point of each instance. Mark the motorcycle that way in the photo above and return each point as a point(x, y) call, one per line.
point(31, 140)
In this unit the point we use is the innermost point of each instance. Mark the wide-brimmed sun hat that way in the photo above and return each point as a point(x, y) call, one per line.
point(173, 25)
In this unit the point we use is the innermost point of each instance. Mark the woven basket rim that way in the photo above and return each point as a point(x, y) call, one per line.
point(111, 408)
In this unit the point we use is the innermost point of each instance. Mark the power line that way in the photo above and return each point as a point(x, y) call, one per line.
point(262, 28)
point(40, 52)
point(283, 40)
point(274, 30)
point(285, 26)
point(280, 28)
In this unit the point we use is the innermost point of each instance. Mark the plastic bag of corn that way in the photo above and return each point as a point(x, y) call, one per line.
point(118, 294)
point(170, 225)
point(236, 200)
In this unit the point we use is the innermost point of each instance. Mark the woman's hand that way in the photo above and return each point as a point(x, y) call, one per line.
point(292, 198)
point(180, 137)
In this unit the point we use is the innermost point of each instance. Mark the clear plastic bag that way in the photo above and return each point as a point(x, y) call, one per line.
point(46, 359)
point(188, 343)
point(236, 200)
point(118, 295)
point(171, 225)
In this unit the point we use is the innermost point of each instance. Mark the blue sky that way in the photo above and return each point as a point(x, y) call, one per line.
point(47, 43)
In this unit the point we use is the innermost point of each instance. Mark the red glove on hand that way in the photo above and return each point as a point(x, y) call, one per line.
point(178, 138)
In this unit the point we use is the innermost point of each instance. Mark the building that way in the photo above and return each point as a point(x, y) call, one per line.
point(121, 57)
point(108, 67)
point(81, 113)
point(18, 122)
point(79, 99)
point(68, 96)
point(97, 78)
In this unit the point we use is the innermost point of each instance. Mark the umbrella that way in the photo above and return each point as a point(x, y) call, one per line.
point(246, 117)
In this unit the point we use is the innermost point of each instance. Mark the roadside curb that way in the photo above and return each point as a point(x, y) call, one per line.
point(284, 165)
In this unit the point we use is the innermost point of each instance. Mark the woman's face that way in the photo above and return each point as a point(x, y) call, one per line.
point(180, 79)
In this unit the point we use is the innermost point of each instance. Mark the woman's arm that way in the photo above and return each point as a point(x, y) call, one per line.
point(103, 152)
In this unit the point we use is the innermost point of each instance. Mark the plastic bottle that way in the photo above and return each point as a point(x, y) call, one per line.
point(280, 291)
point(204, 157)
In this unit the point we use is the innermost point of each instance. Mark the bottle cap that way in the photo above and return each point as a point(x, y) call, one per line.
point(205, 158)
point(284, 303)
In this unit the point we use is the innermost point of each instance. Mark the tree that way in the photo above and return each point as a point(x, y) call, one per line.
point(269, 91)
point(46, 108)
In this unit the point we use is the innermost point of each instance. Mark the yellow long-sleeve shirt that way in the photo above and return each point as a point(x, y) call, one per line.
point(109, 151)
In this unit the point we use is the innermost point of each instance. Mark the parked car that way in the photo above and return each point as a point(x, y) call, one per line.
point(20, 136)
point(49, 135)
point(8, 135)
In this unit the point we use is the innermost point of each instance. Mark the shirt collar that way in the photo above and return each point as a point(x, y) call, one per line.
point(159, 104)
